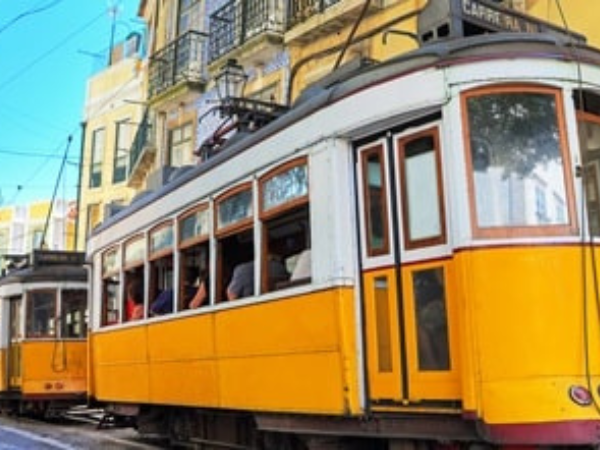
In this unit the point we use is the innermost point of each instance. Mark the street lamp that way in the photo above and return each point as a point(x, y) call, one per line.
point(231, 81)
point(241, 114)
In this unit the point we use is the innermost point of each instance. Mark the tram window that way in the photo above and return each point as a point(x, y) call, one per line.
point(194, 258)
point(517, 154)
point(110, 287)
point(431, 319)
point(41, 314)
point(422, 194)
point(235, 237)
point(233, 251)
point(375, 200)
point(161, 270)
point(588, 105)
point(286, 226)
point(74, 313)
point(133, 297)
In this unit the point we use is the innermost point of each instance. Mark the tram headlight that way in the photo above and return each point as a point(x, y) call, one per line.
point(580, 395)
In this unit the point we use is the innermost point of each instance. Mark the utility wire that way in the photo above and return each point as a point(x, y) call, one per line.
point(21, 72)
point(30, 12)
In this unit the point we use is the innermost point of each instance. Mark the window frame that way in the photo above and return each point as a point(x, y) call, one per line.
point(280, 210)
point(478, 232)
point(96, 157)
point(401, 142)
point(376, 147)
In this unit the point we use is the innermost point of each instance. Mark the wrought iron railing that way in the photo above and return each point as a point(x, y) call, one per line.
point(181, 60)
point(238, 21)
point(143, 141)
point(301, 10)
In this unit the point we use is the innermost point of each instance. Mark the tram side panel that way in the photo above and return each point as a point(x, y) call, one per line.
point(293, 354)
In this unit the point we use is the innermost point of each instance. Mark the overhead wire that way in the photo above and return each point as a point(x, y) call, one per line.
point(29, 12)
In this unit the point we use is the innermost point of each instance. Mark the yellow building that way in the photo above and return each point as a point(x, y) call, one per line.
point(29, 227)
point(114, 112)
point(147, 120)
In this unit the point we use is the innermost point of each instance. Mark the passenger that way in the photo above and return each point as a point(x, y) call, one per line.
point(242, 280)
point(134, 304)
point(193, 297)
point(302, 269)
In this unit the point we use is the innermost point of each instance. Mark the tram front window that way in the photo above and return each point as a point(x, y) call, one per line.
point(74, 314)
point(517, 158)
point(41, 314)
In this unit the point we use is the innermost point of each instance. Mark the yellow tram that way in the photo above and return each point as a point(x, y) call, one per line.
point(43, 339)
point(437, 216)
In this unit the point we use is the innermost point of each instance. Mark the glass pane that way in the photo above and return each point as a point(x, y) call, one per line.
point(74, 314)
point(376, 204)
point(431, 320)
point(589, 139)
point(382, 315)
point(161, 239)
point(110, 292)
point(194, 225)
point(134, 251)
point(285, 187)
point(41, 314)
point(518, 169)
point(422, 189)
point(110, 263)
point(235, 208)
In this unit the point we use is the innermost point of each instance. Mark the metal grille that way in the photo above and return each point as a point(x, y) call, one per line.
point(181, 60)
point(301, 10)
point(238, 21)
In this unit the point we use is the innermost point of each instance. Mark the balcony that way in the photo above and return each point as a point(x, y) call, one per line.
point(142, 152)
point(248, 30)
point(313, 19)
point(181, 62)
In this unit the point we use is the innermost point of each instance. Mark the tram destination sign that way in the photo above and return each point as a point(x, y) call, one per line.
point(53, 258)
point(495, 17)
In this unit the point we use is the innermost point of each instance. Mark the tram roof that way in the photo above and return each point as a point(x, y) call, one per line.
point(58, 273)
point(348, 79)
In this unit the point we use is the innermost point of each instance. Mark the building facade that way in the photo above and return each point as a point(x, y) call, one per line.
point(147, 119)
point(25, 228)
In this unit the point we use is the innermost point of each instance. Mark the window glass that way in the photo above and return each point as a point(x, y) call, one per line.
point(517, 161)
point(110, 287)
point(375, 201)
point(41, 314)
point(422, 189)
point(134, 251)
point(431, 319)
point(161, 239)
point(235, 208)
point(122, 146)
point(286, 186)
point(98, 137)
point(181, 142)
point(74, 313)
point(194, 225)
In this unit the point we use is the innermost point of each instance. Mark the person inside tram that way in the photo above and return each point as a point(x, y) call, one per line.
point(194, 296)
point(134, 304)
point(242, 280)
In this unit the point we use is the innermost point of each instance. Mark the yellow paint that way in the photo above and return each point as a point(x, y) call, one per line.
point(53, 367)
point(295, 354)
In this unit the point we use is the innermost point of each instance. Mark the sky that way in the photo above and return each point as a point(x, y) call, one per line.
point(48, 51)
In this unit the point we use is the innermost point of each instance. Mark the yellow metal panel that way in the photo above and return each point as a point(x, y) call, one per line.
point(184, 383)
point(182, 339)
point(289, 355)
point(53, 367)
point(382, 335)
point(3, 369)
point(121, 365)
point(524, 310)
point(309, 382)
point(304, 324)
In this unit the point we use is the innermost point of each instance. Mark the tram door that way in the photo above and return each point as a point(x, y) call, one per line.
point(407, 271)
point(14, 344)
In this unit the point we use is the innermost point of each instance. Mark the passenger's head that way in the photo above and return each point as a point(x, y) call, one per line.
point(135, 290)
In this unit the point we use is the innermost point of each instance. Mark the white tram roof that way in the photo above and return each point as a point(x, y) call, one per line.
point(353, 78)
